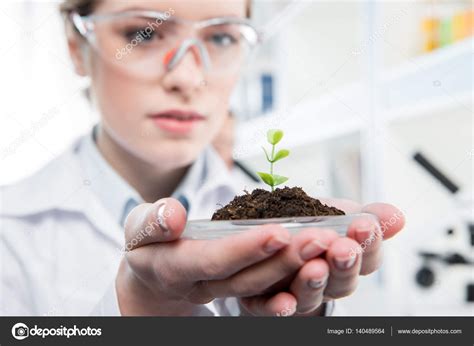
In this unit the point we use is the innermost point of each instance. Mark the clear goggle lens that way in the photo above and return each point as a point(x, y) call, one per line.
point(149, 46)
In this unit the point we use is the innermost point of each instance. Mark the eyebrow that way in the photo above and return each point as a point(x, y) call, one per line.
point(136, 8)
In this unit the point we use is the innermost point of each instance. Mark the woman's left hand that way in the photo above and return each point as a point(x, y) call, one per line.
point(334, 275)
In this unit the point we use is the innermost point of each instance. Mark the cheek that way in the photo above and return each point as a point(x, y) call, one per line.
point(123, 104)
point(225, 85)
point(114, 95)
point(218, 93)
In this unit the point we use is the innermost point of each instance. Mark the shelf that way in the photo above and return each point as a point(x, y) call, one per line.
point(438, 57)
point(444, 104)
point(443, 78)
point(426, 85)
point(308, 122)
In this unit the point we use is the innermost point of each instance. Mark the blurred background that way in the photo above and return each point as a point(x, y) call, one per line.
point(376, 101)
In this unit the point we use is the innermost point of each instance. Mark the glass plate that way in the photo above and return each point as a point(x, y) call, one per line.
point(206, 229)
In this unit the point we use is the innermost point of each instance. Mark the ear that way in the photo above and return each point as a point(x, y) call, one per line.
point(75, 43)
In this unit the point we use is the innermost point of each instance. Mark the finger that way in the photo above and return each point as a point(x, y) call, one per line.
point(366, 231)
point(305, 245)
point(221, 258)
point(148, 223)
point(391, 218)
point(346, 205)
point(204, 260)
point(308, 286)
point(344, 263)
point(172, 265)
point(282, 304)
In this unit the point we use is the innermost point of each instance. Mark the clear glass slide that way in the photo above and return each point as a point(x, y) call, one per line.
point(206, 229)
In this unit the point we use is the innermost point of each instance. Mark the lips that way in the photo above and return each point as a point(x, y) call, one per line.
point(177, 121)
point(179, 115)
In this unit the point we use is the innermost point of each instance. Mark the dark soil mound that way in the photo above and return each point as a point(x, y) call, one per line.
point(263, 204)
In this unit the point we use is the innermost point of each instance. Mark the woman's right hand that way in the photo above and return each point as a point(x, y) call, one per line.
point(163, 274)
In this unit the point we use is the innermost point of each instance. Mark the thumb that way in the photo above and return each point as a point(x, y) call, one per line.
point(148, 223)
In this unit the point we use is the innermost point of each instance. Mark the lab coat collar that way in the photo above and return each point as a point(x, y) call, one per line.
point(192, 181)
point(208, 172)
point(115, 193)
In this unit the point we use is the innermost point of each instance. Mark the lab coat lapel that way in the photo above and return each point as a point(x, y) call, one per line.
point(61, 185)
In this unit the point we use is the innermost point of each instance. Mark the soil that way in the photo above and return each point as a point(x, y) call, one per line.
point(283, 202)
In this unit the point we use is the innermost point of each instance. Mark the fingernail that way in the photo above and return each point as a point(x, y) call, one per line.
point(312, 249)
point(162, 219)
point(276, 244)
point(317, 283)
point(345, 263)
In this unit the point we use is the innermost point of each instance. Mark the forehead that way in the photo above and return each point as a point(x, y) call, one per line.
point(189, 9)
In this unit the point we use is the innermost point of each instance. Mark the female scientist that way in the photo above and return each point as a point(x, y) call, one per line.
point(162, 73)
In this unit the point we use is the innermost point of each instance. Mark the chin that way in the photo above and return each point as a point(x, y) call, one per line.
point(172, 154)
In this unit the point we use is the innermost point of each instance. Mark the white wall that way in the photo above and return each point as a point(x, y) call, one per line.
point(42, 106)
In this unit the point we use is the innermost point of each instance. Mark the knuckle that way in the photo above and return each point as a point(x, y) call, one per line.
point(350, 289)
point(341, 293)
point(372, 266)
point(308, 308)
point(291, 262)
point(350, 243)
point(134, 261)
point(137, 263)
point(165, 280)
point(242, 287)
point(212, 269)
point(267, 230)
point(130, 258)
point(166, 277)
point(211, 264)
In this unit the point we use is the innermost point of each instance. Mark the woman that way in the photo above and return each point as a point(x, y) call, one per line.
point(161, 76)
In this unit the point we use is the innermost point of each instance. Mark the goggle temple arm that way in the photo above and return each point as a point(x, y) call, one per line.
point(79, 23)
point(84, 26)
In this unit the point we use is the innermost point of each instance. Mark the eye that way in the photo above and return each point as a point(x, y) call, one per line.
point(222, 39)
point(143, 34)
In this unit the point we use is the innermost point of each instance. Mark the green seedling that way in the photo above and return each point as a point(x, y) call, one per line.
point(273, 137)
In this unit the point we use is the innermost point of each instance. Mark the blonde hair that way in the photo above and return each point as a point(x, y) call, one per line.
point(86, 7)
point(82, 7)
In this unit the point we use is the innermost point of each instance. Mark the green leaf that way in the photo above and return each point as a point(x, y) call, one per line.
point(281, 154)
point(266, 154)
point(267, 178)
point(274, 136)
point(278, 179)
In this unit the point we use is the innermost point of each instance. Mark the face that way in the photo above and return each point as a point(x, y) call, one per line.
point(145, 115)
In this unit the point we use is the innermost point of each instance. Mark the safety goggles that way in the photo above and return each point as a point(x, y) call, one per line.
point(150, 43)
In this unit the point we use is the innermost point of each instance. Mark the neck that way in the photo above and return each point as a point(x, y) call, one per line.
point(151, 182)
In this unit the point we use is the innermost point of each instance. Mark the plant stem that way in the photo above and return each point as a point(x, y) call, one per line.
point(271, 164)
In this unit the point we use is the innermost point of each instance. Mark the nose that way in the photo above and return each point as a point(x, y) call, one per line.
point(185, 72)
